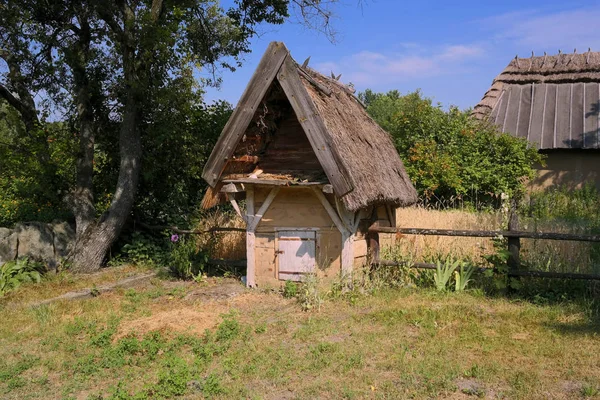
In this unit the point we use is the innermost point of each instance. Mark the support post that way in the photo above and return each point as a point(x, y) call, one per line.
point(250, 248)
point(347, 235)
point(347, 256)
point(373, 237)
point(514, 243)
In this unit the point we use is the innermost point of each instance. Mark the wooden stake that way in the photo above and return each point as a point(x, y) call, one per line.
point(250, 238)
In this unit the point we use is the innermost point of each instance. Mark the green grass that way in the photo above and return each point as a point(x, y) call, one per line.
point(405, 343)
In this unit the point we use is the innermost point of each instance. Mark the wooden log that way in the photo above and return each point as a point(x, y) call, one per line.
point(313, 82)
point(373, 238)
point(491, 234)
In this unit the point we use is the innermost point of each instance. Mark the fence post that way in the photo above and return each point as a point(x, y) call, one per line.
point(514, 243)
point(373, 238)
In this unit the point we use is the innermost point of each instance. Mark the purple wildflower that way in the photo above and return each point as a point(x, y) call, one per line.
point(174, 238)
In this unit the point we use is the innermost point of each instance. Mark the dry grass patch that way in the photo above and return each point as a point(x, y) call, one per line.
point(165, 340)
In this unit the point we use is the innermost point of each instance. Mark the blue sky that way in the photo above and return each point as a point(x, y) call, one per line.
point(450, 50)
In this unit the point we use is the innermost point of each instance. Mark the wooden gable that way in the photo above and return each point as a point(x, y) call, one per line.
point(272, 126)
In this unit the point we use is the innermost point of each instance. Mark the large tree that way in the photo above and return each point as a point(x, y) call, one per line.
point(99, 64)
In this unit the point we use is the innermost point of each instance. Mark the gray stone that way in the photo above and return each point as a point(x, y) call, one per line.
point(64, 238)
point(8, 245)
point(36, 241)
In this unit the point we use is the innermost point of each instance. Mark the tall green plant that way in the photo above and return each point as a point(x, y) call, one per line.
point(14, 273)
point(462, 277)
point(443, 273)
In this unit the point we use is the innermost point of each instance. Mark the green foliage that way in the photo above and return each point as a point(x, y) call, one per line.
point(33, 176)
point(144, 249)
point(462, 277)
point(443, 273)
point(500, 268)
point(186, 261)
point(310, 295)
point(14, 273)
point(580, 206)
point(449, 154)
point(290, 289)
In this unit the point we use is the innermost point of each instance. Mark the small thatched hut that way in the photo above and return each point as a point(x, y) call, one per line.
point(554, 102)
point(314, 169)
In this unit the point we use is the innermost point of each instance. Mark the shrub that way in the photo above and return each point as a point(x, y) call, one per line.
point(449, 154)
point(143, 249)
point(14, 273)
point(186, 261)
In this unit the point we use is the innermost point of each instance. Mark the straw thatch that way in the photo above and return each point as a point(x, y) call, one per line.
point(367, 151)
point(553, 101)
point(354, 154)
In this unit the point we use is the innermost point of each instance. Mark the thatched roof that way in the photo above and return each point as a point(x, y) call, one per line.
point(552, 101)
point(357, 156)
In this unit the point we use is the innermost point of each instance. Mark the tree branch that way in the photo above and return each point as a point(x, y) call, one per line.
point(11, 99)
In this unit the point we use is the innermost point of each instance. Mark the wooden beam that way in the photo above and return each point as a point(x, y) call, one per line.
point(250, 238)
point(253, 223)
point(313, 82)
point(332, 213)
point(240, 119)
point(390, 214)
point(272, 182)
point(314, 127)
point(347, 256)
point(346, 216)
point(347, 236)
point(237, 209)
point(490, 234)
point(328, 189)
point(233, 188)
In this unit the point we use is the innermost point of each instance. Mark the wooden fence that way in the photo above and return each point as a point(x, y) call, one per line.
point(514, 245)
point(512, 234)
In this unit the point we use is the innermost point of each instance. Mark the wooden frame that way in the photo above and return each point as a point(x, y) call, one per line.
point(313, 127)
point(247, 106)
point(347, 236)
point(252, 221)
point(278, 64)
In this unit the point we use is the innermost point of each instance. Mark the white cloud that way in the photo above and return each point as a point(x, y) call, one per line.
point(541, 30)
point(371, 68)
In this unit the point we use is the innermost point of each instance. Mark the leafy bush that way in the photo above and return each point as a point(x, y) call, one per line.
point(14, 273)
point(186, 261)
point(290, 289)
point(449, 154)
point(143, 249)
point(581, 206)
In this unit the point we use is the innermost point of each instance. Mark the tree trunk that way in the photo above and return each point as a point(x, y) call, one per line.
point(82, 197)
point(96, 241)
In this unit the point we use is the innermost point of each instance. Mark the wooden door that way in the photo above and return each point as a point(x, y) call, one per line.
point(295, 254)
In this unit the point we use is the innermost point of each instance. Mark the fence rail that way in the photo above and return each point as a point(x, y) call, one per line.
point(491, 234)
point(514, 247)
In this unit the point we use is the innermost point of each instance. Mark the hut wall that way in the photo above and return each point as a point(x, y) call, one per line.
point(295, 208)
point(569, 167)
